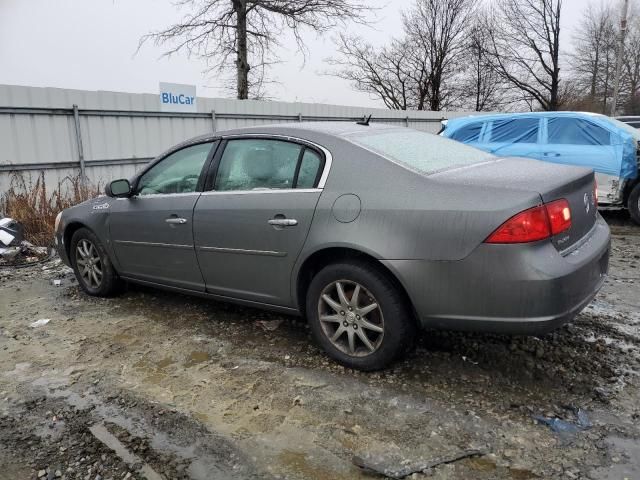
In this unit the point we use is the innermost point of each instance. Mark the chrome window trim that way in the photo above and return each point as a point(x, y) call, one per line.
point(260, 191)
point(161, 195)
point(328, 158)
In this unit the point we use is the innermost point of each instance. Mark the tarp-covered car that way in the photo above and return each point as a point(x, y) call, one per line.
point(605, 144)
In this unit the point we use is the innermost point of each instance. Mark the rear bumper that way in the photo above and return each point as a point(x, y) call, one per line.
point(516, 289)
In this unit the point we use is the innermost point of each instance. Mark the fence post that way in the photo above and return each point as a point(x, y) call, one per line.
point(213, 120)
point(406, 121)
point(76, 119)
point(300, 117)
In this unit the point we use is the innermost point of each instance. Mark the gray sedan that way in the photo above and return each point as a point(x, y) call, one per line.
point(369, 231)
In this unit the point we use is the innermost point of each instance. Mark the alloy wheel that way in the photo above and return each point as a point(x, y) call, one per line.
point(351, 318)
point(89, 263)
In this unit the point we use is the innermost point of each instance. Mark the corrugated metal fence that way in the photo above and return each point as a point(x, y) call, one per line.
point(110, 135)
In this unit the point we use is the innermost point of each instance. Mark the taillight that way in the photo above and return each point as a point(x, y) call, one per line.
point(559, 216)
point(534, 224)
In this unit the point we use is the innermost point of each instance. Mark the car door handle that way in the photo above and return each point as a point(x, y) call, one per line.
point(283, 222)
point(551, 154)
point(176, 221)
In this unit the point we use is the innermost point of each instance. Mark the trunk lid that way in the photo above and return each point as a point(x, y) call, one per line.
point(551, 181)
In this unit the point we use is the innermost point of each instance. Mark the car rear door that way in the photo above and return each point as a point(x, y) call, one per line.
point(250, 227)
point(152, 231)
point(576, 141)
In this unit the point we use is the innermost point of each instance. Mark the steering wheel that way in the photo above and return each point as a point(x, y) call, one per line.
point(189, 183)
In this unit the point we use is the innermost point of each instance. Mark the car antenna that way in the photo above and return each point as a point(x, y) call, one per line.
point(364, 121)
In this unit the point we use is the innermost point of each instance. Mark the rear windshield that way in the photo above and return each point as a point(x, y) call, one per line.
point(420, 151)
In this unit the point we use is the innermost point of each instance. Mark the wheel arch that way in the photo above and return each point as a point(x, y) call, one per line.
point(628, 188)
point(71, 228)
point(317, 260)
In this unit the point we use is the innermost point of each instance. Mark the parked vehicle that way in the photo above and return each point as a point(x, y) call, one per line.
point(369, 231)
point(633, 121)
point(605, 144)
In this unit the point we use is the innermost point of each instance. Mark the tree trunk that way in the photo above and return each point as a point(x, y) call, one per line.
point(242, 64)
point(594, 75)
point(478, 79)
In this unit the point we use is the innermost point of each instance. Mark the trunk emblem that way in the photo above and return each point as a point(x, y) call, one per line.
point(587, 204)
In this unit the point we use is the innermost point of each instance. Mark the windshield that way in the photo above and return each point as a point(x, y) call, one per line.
point(424, 152)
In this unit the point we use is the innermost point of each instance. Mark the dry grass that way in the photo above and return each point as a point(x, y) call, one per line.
point(36, 208)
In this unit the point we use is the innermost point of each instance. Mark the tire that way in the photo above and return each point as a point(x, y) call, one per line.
point(633, 204)
point(393, 316)
point(100, 278)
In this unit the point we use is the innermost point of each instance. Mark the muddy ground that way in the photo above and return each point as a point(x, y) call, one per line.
point(157, 385)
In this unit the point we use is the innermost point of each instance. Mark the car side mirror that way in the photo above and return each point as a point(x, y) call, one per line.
point(119, 188)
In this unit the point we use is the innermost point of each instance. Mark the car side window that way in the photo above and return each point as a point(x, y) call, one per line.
point(309, 169)
point(177, 173)
point(254, 164)
point(514, 130)
point(576, 131)
point(468, 133)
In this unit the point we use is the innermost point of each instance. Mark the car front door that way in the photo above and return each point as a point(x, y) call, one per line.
point(250, 227)
point(152, 231)
point(510, 137)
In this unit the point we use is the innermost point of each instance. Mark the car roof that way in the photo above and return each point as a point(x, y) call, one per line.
point(338, 129)
point(499, 116)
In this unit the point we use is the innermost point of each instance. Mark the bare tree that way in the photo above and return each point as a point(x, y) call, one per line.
point(384, 73)
point(437, 28)
point(480, 87)
point(416, 70)
point(245, 33)
point(631, 66)
point(593, 57)
point(525, 49)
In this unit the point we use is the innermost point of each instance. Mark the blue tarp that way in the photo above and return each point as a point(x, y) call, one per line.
point(571, 138)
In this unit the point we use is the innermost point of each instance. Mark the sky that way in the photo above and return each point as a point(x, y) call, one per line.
point(91, 45)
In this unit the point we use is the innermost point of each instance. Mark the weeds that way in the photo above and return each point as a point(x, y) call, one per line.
point(32, 205)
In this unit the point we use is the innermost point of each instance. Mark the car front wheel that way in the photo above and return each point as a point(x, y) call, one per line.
point(92, 265)
point(358, 316)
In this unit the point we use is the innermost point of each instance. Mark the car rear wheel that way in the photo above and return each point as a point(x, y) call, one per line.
point(633, 204)
point(92, 265)
point(358, 316)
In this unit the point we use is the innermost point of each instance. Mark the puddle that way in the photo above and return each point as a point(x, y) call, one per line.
point(627, 451)
point(298, 463)
point(164, 363)
point(203, 417)
point(194, 358)
point(521, 474)
point(124, 339)
point(108, 439)
point(482, 464)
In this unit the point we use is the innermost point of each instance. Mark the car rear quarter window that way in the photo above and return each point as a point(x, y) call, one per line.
point(576, 131)
point(468, 134)
point(309, 169)
point(424, 152)
point(514, 130)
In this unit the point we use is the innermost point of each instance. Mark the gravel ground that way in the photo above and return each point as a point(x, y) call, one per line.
point(157, 385)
